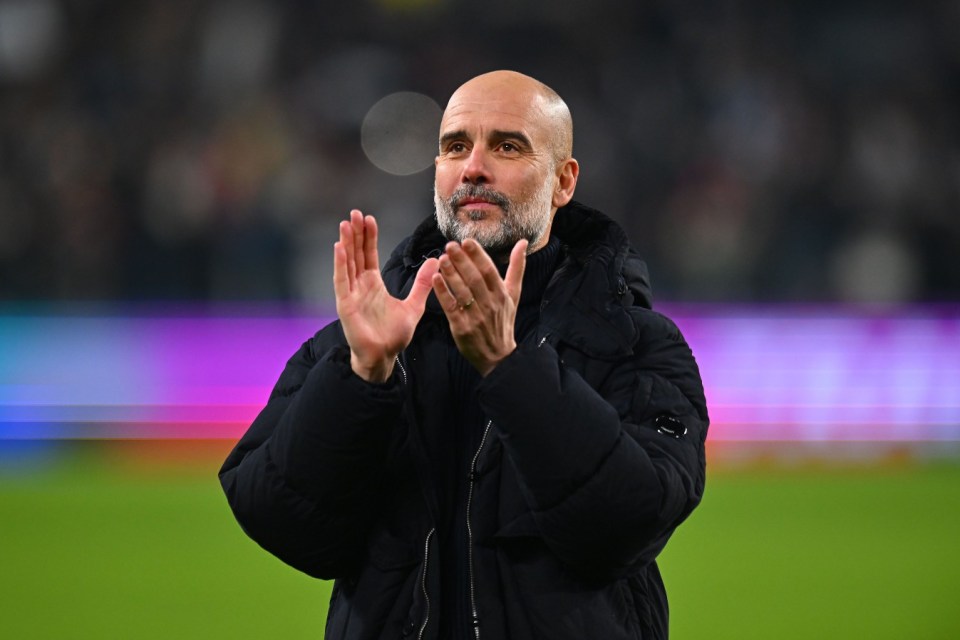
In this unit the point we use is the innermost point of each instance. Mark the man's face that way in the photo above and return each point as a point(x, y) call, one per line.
point(495, 178)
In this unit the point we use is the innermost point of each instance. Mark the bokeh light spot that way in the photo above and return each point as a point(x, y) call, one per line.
point(399, 133)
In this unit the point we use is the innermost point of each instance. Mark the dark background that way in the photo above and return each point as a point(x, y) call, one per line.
point(203, 151)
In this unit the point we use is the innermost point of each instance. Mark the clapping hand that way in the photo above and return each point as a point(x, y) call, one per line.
point(377, 325)
point(480, 306)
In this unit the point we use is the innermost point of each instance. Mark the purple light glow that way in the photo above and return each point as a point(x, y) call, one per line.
point(770, 374)
point(141, 377)
point(818, 375)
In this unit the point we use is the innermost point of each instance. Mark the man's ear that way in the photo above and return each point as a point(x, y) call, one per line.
point(567, 173)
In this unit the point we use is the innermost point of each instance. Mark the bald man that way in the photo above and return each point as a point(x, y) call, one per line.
point(498, 435)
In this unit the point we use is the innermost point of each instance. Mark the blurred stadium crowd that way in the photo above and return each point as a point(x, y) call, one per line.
point(204, 150)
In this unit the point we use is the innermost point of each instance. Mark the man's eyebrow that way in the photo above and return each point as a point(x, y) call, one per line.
point(496, 135)
point(519, 136)
point(459, 134)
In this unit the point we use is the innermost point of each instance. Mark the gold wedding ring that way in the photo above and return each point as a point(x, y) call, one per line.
point(466, 305)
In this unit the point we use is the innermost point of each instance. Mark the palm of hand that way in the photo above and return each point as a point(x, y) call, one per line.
point(377, 325)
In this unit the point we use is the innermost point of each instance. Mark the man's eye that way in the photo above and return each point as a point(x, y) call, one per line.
point(456, 147)
point(508, 146)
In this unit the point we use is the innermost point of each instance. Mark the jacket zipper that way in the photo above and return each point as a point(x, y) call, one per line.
point(423, 583)
point(403, 372)
point(475, 619)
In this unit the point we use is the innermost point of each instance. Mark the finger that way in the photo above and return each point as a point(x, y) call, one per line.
point(474, 284)
point(341, 277)
point(458, 288)
point(518, 264)
point(356, 222)
point(448, 302)
point(484, 264)
point(370, 256)
point(422, 284)
point(346, 243)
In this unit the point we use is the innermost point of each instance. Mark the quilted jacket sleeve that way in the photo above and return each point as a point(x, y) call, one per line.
point(608, 473)
point(302, 480)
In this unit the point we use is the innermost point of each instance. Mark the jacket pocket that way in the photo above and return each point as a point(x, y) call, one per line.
point(550, 603)
point(382, 599)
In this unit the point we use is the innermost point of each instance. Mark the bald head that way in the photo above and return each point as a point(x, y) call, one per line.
point(544, 103)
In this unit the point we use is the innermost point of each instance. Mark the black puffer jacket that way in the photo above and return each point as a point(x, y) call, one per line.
point(593, 452)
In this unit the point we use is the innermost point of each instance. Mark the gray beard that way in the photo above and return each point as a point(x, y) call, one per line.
point(524, 218)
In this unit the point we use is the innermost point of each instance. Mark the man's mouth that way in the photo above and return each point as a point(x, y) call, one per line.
point(475, 201)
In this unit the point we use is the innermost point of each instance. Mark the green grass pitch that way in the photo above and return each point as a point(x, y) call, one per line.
point(94, 549)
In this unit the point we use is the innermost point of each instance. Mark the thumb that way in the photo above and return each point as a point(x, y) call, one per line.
point(423, 284)
point(518, 263)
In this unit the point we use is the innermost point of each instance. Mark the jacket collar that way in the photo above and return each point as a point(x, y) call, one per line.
point(598, 279)
point(593, 237)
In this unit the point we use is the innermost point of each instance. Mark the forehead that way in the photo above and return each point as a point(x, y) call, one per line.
point(477, 111)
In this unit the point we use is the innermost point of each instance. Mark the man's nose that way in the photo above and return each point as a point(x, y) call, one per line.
point(477, 167)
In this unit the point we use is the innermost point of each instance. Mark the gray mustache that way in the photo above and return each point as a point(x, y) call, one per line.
point(465, 191)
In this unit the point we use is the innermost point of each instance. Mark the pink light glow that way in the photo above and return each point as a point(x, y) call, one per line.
point(770, 374)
